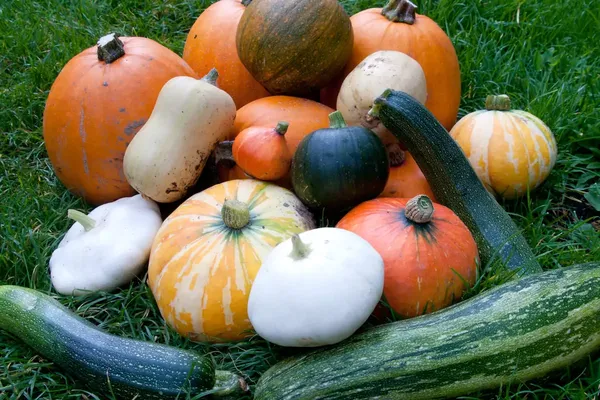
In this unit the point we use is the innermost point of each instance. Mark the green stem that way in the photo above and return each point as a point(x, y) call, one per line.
point(110, 48)
point(300, 250)
point(86, 221)
point(499, 102)
point(229, 385)
point(400, 11)
point(211, 77)
point(374, 111)
point(282, 127)
point(235, 213)
point(336, 120)
point(419, 209)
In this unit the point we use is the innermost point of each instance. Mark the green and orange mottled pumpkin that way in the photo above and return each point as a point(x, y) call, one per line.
point(207, 252)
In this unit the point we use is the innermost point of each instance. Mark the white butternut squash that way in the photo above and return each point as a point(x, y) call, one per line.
point(380, 71)
point(167, 156)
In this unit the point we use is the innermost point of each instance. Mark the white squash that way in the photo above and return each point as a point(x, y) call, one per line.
point(380, 71)
point(316, 288)
point(167, 156)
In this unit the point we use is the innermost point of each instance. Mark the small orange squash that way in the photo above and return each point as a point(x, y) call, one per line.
point(406, 180)
point(398, 27)
point(512, 151)
point(304, 116)
point(211, 44)
point(262, 152)
point(429, 255)
point(96, 105)
point(207, 252)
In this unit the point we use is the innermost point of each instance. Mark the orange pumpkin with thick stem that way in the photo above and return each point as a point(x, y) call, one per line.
point(430, 256)
point(98, 102)
point(304, 116)
point(262, 152)
point(406, 179)
point(211, 44)
point(398, 27)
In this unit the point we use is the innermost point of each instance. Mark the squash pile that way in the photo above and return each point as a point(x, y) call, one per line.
point(322, 208)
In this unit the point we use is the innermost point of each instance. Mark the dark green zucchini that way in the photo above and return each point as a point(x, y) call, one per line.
point(110, 364)
point(517, 331)
point(454, 182)
point(337, 168)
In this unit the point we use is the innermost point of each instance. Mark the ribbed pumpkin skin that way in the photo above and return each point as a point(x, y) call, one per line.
point(521, 330)
point(94, 110)
point(294, 47)
point(303, 115)
point(201, 271)
point(427, 266)
point(424, 41)
point(338, 168)
point(211, 44)
point(510, 151)
point(407, 181)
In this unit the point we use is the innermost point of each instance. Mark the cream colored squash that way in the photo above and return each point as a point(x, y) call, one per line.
point(511, 151)
point(316, 288)
point(167, 156)
point(380, 71)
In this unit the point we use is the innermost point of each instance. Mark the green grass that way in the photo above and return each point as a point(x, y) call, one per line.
point(544, 54)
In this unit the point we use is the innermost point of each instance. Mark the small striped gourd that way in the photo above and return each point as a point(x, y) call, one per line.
point(512, 151)
point(207, 252)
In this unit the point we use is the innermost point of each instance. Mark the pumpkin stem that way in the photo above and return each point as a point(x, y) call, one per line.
point(229, 384)
point(224, 152)
point(395, 154)
point(419, 209)
point(300, 249)
point(110, 48)
point(246, 3)
point(88, 222)
point(400, 11)
point(336, 120)
point(282, 127)
point(211, 77)
point(499, 102)
point(235, 213)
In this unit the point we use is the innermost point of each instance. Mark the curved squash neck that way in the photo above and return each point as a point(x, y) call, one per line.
point(400, 11)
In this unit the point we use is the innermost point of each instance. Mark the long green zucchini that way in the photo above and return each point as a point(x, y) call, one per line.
point(454, 182)
point(111, 364)
point(514, 332)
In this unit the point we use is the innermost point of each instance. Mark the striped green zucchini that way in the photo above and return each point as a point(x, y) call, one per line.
point(107, 363)
point(454, 182)
point(514, 332)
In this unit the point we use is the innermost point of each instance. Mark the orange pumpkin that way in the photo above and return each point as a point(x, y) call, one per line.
point(211, 44)
point(96, 105)
point(262, 152)
point(429, 254)
point(406, 179)
point(304, 116)
point(398, 27)
point(207, 252)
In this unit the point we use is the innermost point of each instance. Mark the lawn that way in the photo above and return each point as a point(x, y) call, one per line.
point(543, 53)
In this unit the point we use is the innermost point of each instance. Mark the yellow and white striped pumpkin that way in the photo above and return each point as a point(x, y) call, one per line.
point(510, 150)
point(207, 252)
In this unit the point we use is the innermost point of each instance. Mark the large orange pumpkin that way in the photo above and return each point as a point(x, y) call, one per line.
point(398, 27)
point(207, 252)
point(304, 116)
point(211, 44)
point(429, 255)
point(98, 102)
point(406, 179)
